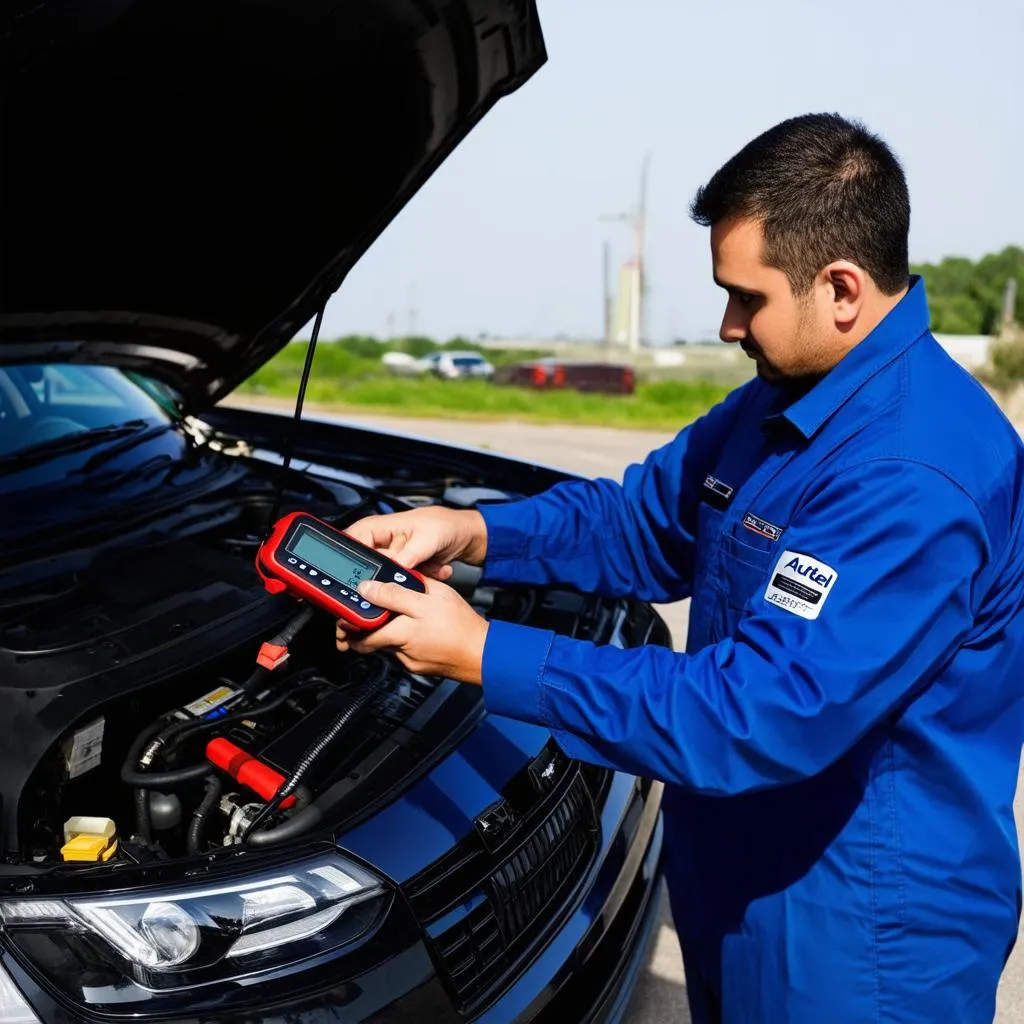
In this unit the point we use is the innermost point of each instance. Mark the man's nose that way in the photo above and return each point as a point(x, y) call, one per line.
point(734, 324)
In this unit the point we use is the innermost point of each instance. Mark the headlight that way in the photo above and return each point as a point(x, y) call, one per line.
point(13, 1007)
point(176, 938)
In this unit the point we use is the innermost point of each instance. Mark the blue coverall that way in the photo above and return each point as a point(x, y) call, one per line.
point(840, 741)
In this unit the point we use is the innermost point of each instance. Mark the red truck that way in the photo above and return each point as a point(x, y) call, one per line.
point(550, 373)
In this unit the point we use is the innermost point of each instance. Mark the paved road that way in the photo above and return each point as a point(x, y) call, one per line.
point(596, 451)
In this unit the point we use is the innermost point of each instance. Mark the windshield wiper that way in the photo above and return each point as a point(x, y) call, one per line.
point(43, 451)
point(130, 441)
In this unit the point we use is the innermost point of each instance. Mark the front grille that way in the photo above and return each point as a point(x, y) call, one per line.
point(521, 890)
point(521, 897)
point(530, 880)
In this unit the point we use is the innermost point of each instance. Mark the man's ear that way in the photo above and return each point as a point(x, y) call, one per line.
point(848, 285)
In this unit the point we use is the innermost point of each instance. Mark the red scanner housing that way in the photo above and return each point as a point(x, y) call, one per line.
point(316, 562)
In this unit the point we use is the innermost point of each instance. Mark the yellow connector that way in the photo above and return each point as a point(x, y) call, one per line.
point(89, 849)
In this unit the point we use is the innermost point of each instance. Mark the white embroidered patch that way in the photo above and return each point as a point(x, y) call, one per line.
point(800, 584)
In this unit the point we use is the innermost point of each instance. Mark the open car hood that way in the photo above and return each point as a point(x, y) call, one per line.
point(185, 182)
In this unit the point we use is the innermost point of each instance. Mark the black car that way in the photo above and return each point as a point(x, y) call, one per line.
point(184, 185)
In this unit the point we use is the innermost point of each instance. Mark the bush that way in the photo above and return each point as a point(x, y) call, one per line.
point(672, 393)
point(1006, 365)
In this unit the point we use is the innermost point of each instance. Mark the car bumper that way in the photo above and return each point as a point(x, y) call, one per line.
point(585, 972)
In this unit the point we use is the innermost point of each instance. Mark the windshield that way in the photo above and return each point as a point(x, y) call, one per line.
point(58, 410)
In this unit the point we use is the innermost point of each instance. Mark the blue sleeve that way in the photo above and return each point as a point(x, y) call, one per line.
point(894, 552)
point(631, 539)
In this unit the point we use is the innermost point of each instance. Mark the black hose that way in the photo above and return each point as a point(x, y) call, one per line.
point(209, 802)
point(184, 730)
point(165, 780)
point(255, 679)
point(176, 732)
point(293, 627)
point(363, 696)
point(359, 701)
point(300, 822)
point(143, 818)
point(340, 723)
point(135, 750)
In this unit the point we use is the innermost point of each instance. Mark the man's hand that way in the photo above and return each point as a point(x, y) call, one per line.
point(427, 539)
point(435, 634)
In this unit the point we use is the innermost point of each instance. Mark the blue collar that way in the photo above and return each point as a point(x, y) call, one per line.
point(904, 325)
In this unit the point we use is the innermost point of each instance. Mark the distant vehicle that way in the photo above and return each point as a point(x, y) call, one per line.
point(401, 363)
point(550, 373)
point(456, 365)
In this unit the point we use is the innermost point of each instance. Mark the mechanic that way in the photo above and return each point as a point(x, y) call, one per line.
point(840, 741)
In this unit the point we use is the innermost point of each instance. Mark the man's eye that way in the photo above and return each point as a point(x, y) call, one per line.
point(745, 299)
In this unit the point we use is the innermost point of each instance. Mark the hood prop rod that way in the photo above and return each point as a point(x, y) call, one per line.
point(293, 428)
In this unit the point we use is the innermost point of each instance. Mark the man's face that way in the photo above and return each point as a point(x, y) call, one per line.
point(786, 336)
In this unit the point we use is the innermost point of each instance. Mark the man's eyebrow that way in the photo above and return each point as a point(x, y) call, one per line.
point(733, 287)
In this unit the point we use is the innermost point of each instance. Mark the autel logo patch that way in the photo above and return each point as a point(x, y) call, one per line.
point(800, 584)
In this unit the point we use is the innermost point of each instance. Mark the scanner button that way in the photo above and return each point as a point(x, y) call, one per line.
point(293, 561)
point(303, 566)
point(314, 572)
point(400, 577)
point(364, 604)
point(325, 582)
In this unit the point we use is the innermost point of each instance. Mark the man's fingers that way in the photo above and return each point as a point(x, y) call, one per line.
point(436, 570)
point(343, 635)
point(389, 637)
point(391, 596)
point(378, 532)
point(370, 531)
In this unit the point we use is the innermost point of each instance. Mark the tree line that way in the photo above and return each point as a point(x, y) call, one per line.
point(966, 297)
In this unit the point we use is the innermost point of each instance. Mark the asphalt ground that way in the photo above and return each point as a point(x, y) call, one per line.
point(660, 997)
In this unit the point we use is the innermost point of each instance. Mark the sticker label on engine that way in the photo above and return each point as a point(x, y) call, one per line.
point(212, 700)
point(86, 750)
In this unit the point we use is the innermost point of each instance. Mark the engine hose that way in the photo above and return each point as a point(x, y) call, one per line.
point(198, 824)
point(366, 693)
point(164, 780)
point(143, 819)
point(294, 626)
point(359, 701)
point(177, 731)
point(259, 673)
point(144, 737)
point(299, 823)
point(184, 730)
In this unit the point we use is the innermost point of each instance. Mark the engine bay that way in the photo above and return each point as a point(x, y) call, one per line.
point(149, 722)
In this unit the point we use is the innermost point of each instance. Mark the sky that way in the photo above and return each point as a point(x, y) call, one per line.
point(505, 238)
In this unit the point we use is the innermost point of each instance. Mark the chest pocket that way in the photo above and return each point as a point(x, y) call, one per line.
point(745, 570)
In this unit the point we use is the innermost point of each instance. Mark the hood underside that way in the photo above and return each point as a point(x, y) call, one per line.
point(185, 182)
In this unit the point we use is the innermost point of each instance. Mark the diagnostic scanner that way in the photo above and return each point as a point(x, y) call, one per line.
point(318, 563)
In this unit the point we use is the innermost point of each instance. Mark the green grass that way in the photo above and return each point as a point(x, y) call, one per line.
point(348, 380)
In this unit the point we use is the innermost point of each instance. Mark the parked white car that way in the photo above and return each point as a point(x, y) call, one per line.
point(456, 365)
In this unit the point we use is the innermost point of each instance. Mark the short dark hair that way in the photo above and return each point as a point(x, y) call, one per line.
point(824, 188)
